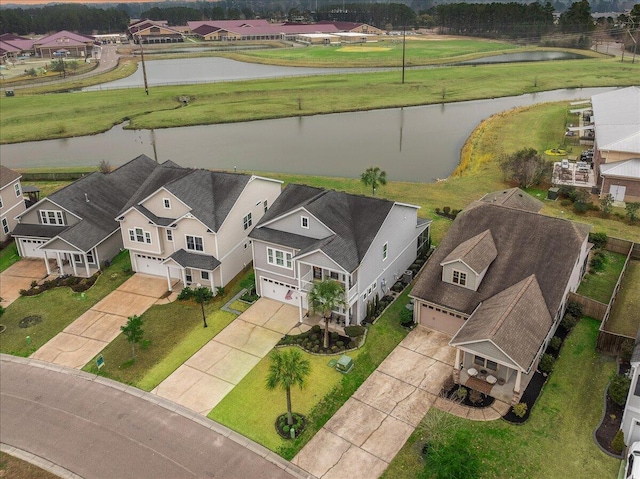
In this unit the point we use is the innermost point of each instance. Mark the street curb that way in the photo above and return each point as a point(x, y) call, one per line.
point(38, 461)
point(166, 404)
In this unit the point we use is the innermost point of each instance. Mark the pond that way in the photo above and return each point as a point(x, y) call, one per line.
point(543, 56)
point(419, 144)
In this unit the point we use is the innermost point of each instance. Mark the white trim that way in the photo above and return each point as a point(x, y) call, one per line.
point(186, 243)
point(46, 220)
point(385, 251)
point(48, 200)
point(292, 212)
point(166, 203)
point(304, 219)
point(285, 260)
point(408, 205)
point(162, 188)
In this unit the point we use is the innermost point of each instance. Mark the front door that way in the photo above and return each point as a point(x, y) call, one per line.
point(618, 192)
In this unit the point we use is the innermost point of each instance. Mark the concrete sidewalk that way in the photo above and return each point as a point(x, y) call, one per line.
point(83, 339)
point(210, 374)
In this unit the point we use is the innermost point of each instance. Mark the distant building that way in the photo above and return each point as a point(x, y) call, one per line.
point(63, 44)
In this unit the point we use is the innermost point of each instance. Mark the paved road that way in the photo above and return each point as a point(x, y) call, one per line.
point(97, 428)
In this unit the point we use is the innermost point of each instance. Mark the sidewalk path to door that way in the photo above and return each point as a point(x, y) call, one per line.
point(210, 374)
point(83, 339)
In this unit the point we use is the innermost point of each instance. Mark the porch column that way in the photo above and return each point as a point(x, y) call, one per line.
point(211, 281)
point(184, 276)
point(86, 264)
point(96, 258)
point(458, 363)
point(168, 278)
point(300, 308)
point(46, 262)
point(72, 260)
point(518, 380)
point(60, 263)
point(347, 316)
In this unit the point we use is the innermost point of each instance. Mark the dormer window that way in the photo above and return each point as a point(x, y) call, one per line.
point(304, 222)
point(167, 203)
point(459, 278)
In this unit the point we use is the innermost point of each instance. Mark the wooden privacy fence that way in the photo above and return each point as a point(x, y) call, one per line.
point(590, 307)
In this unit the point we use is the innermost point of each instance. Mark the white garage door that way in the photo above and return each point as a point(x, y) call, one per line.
point(150, 265)
point(28, 247)
point(282, 292)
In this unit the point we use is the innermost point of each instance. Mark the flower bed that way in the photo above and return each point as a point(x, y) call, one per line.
point(78, 285)
point(312, 341)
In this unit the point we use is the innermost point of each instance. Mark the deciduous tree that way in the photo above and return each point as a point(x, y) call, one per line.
point(133, 332)
point(526, 167)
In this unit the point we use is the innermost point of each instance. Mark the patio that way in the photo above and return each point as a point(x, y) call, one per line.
point(502, 392)
point(573, 174)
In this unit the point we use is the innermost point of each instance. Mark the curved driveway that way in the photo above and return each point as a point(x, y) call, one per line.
point(97, 428)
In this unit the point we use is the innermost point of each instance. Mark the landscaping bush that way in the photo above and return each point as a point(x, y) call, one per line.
point(354, 331)
point(619, 388)
point(520, 409)
point(397, 287)
point(186, 293)
point(617, 444)
point(568, 322)
point(316, 328)
point(574, 309)
point(626, 350)
point(475, 396)
point(555, 343)
point(568, 192)
point(461, 393)
point(406, 317)
point(598, 261)
point(546, 363)
point(599, 240)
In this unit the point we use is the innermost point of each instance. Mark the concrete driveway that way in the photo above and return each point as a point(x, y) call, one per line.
point(19, 276)
point(362, 438)
point(79, 342)
point(210, 374)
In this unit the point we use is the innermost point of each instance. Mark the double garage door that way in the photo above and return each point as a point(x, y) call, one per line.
point(150, 265)
point(28, 247)
point(285, 293)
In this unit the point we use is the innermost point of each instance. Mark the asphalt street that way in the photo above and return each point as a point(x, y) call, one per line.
point(97, 428)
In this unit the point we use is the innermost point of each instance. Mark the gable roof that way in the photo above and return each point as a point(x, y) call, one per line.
point(616, 119)
point(8, 176)
point(515, 320)
point(59, 37)
point(514, 198)
point(527, 243)
point(477, 252)
point(354, 220)
point(626, 169)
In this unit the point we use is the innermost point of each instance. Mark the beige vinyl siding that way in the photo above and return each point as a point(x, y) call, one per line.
point(134, 219)
point(292, 224)
point(32, 217)
point(155, 204)
point(447, 274)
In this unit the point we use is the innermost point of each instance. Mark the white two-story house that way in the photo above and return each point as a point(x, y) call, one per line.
point(11, 201)
point(192, 225)
point(498, 284)
point(313, 234)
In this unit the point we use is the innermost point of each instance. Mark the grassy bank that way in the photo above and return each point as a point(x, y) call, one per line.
point(26, 118)
point(555, 443)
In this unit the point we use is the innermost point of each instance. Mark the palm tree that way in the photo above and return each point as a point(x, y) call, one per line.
point(287, 369)
point(324, 297)
point(374, 177)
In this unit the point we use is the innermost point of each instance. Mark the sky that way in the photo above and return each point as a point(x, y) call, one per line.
point(44, 2)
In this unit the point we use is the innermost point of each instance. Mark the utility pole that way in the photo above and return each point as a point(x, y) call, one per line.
point(404, 43)
point(144, 68)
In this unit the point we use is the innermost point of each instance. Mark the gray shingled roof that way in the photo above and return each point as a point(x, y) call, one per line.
point(527, 243)
point(7, 176)
point(37, 231)
point(194, 260)
point(515, 320)
point(514, 198)
point(477, 252)
point(354, 219)
point(283, 238)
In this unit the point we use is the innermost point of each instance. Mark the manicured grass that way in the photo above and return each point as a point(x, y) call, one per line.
point(555, 443)
point(240, 306)
point(8, 256)
point(172, 334)
point(58, 308)
point(625, 313)
point(55, 116)
point(252, 410)
point(14, 468)
point(599, 285)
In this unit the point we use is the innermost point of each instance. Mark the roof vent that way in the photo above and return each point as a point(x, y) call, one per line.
point(86, 197)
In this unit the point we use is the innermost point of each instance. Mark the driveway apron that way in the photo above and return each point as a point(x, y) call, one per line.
point(19, 276)
point(210, 374)
point(83, 339)
point(362, 438)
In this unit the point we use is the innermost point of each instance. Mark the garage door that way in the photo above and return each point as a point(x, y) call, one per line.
point(28, 247)
point(617, 192)
point(440, 320)
point(282, 292)
point(150, 265)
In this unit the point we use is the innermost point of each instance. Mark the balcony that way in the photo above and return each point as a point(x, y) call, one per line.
point(306, 283)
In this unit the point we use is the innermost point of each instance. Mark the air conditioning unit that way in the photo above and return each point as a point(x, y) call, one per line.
point(407, 276)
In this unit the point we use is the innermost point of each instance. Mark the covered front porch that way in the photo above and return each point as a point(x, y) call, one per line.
point(75, 263)
point(192, 269)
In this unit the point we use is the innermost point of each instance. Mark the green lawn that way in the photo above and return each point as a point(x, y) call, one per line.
point(58, 308)
point(625, 313)
point(555, 443)
point(37, 117)
point(8, 256)
point(172, 334)
point(599, 285)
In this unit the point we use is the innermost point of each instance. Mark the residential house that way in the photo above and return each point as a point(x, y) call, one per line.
point(312, 234)
point(75, 227)
point(498, 284)
point(617, 143)
point(192, 225)
point(11, 201)
point(631, 418)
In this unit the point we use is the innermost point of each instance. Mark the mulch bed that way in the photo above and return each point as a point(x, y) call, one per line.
point(299, 424)
point(451, 394)
point(530, 396)
point(312, 341)
point(609, 426)
point(29, 321)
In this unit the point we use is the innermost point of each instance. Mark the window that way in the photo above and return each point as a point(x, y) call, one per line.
point(459, 278)
point(194, 243)
point(246, 221)
point(385, 251)
point(167, 203)
point(1, 202)
point(49, 217)
point(485, 363)
point(5, 226)
point(147, 237)
point(304, 222)
point(204, 275)
point(169, 235)
point(279, 258)
point(90, 258)
point(189, 278)
point(266, 205)
point(77, 259)
point(334, 275)
point(17, 188)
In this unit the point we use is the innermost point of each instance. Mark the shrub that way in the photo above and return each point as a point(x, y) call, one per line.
point(334, 336)
point(34, 284)
point(335, 349)
point(461, 393)
point(546, 363)
point(574, 309)
point(555, 343)
point(619, 388)
point(437, 210)
point(316, 348)
point(520, 409)
point(617, 444)
point(599, 240)
point(340, 344)
point(354, 331)
point(220, 290)
point(286, 428)
point(475, 396)
point(446, 210)
point(565, 202)
point(568, 322)
point(315, 328)
point(626, 349)
point(568, 192)
point(406, 317)
point(186, 293)
point(598, 260)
